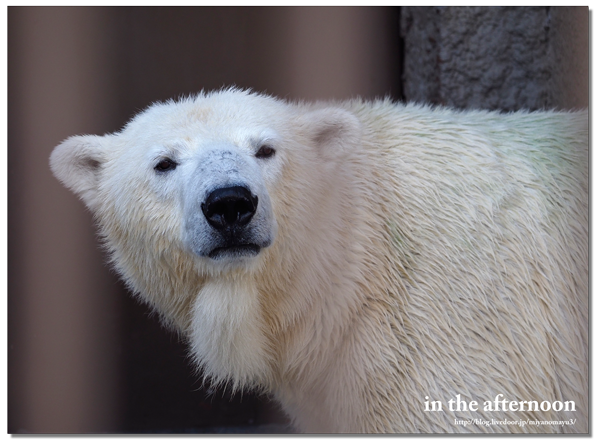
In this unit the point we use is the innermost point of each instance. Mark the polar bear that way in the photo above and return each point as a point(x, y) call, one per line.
point(376, 267)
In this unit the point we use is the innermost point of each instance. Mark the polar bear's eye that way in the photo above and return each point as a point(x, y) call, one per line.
point(165, 165)
point(265, 152)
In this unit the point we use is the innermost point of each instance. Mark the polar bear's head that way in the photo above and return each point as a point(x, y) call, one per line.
point(196, 173)
point(198, 189)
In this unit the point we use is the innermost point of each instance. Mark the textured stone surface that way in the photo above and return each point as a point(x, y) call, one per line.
point(504, 58)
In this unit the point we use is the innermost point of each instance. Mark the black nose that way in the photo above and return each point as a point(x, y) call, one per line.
point(229, 206)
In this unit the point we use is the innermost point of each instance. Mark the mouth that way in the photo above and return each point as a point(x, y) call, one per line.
point(235, 251)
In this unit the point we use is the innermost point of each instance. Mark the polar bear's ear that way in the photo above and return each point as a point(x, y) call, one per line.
point(332, 131)
point(77, 162)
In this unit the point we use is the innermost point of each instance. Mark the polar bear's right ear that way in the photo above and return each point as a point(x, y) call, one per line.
point(332, 131)
point(77, 162)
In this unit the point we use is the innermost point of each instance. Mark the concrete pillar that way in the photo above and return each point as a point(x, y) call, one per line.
point(504, 58)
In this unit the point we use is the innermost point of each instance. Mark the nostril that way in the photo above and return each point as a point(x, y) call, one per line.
point(229, 206)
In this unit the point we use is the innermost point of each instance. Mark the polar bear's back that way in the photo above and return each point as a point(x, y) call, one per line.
point(487, 215)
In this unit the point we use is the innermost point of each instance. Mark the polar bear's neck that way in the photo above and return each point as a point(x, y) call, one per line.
point(226, 336)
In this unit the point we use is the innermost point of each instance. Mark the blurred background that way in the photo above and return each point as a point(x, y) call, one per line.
point(83, 355)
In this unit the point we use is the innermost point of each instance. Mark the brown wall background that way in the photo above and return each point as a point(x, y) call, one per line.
point(85, 357)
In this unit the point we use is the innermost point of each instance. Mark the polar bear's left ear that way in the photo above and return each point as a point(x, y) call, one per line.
point(332, 131)
point(77, 163)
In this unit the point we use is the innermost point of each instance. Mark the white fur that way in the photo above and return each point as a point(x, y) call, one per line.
point(409, 252)
point(226, 313)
